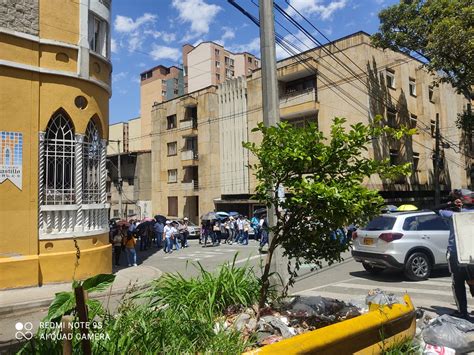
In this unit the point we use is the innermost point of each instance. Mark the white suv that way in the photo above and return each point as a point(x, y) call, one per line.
point(414, 242)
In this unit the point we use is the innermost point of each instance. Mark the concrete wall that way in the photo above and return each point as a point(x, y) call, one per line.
point(233, 131)
point(201, 67)
point(134, 135)
point(117, 132)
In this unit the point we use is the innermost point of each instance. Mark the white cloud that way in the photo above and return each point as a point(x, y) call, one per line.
point(126, 24)
point(164, 52)
point(165, 36)
point(298, 42)
point(135, 42)
point(113, 46)
point(198, 13)
point(142, 65)
point(252, 47)
point(119, 76)
point(310, 7)
point(228, 33)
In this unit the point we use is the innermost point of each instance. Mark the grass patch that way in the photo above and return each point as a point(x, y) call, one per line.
point(408, 346)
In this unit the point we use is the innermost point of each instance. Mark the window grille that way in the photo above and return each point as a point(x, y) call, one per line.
point(59, 161)
point(91, 165)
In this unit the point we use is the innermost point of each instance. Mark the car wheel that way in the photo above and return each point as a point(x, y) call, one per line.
point(418, 267)
point(372, 269)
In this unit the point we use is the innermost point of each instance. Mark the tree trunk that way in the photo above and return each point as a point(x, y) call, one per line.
point(265, 278)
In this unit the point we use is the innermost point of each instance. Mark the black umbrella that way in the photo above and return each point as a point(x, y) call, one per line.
point(260, 211)
point(209, 216)
point(160, 219)
point(143, 226)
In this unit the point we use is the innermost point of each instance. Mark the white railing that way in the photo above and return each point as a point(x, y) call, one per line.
point(192, 185)
point(188, 124)
point(189, 155)
point(60, 221)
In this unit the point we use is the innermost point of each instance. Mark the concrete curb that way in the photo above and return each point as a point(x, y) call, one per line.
point(45, 302)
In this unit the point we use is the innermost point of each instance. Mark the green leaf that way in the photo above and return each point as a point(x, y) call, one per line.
point(98, 283)
point(63, 303)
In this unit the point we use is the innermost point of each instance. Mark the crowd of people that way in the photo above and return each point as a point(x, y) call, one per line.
point(173, 236)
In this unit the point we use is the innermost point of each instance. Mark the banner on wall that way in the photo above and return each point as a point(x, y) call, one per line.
point(11, 157)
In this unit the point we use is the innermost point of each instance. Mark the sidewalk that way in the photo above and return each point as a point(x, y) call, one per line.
point(23, 299)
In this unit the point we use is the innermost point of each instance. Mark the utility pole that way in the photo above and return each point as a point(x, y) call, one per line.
point(119, 179)
point(271, 115)
point(436, 163)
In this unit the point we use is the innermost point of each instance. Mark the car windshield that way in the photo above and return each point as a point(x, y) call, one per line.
point(380, 223)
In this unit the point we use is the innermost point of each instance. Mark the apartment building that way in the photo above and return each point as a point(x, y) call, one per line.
point(347, 78)
point(157, 85)
point(352, 79)
point(185, 155)
point(211, 64)
point(135, 168)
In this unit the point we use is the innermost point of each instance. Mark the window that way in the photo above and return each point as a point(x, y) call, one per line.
point(163, 93)
point(433, 128)
point(217, 52)
point(218, 64)
point(380, 223)
point(229, 62)
point(59, 161)
point(392, 118)
point(425, 223)
point(91, 165)
point(171, 122)
point(249, 59)
point(131, 181)
point(172, 176)
point(393, 157)
point(172, 148)
point(256, 63)
point(176, 92)
point(98, 35)
point(431, 94)
point(172, 206)
point(131, 212)
point(146, 75)
point(218, 77)
point(416, 160)
point(116, 213)
point(163, 82)
point(412, 87)
point(413, 120)
point(390, 75)
point(229, 73)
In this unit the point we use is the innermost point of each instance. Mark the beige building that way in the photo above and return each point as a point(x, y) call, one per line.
point(157, 85)
point(315, 88)
point(185, 155)
point(135, 167)
point(211, 64)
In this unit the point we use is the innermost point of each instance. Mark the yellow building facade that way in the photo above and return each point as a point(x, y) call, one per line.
point(54, 106)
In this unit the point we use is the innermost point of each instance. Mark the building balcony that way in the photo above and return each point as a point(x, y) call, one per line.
point(188, 124)
point(298, 103)
point(192, 185)
point(189, 155)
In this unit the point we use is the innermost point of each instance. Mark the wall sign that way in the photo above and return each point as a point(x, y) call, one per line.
point(11, 157)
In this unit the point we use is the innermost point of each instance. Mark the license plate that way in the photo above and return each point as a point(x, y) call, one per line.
point(368, 241)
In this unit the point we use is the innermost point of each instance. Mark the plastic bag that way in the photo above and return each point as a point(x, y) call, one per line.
point(438, 350)
point(450, 332)
point(379, 297)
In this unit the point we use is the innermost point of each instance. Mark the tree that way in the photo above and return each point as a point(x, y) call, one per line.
point(323, 179)
point(440, 31)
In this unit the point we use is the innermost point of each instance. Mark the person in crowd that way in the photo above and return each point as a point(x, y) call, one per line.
point(216, 231)
point(239, 229)
point(184, 231)
point(256, 227)
point(263, 224)
point(130, 243)
point(117, 242)
point(158, 228)
point(244, 240)
point(176, 236)
point(224, 235)
point(459, 274)
point(231, 230)
point(168, 237)
point(142, 233)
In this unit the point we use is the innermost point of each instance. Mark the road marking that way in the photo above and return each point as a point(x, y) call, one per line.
point(394, 289)
point(248, 259)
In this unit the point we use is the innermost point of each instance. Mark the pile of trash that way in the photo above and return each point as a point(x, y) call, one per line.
point(443, 335)
point(298, 315)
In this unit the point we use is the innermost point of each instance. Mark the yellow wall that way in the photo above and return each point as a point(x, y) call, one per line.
point(28, 99)
point(59, 20)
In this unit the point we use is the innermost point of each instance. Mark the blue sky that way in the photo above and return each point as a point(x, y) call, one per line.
point(146, 33)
